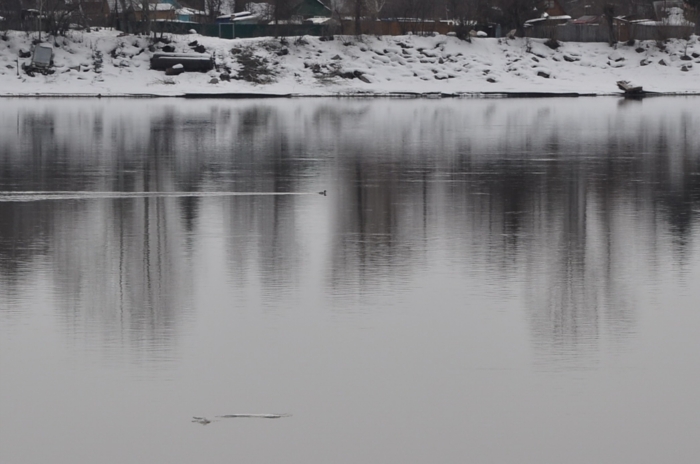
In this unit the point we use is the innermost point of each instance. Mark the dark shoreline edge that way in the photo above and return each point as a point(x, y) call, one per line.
point(364, 95)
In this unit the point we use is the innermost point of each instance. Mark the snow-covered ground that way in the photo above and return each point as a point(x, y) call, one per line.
point(102, 62)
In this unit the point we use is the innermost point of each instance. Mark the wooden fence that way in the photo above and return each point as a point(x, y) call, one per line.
point(231, 31)
point(396, 27)
point(643, 32)
point(599, 33)
point(240, 31)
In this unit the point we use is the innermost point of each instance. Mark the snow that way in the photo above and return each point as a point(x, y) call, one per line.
point(318, 20)
point(156, 7)
point(190, 11)
point(104, 63)
point(546, 17)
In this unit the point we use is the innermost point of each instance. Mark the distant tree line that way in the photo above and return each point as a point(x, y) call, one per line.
point(52, 16)
point(465, 15)
point(462, 14)
point(56, 16)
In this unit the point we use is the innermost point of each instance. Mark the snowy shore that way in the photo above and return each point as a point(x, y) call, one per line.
point(106, 64)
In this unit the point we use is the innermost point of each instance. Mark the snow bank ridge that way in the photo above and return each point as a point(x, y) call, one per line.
point(106, 63)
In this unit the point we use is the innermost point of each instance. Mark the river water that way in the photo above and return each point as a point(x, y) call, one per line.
point(507, 281)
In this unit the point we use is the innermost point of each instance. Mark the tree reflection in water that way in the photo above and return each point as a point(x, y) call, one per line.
point(570, 199)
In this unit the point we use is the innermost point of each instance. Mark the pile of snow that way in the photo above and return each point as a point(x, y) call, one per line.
point(108, 63)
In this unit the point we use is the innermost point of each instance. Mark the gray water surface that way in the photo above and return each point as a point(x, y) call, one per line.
point(506, 281)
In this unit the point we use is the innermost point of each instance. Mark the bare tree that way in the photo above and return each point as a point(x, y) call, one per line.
point(56, 16)
point(694, 6)
point(414, 13)
point(418, 14)
point(465, 14)
point(375, 6)
point(146, 15)
point(11, 11)
point(359, 10)
point(514, 13)
point(609, 10)
point(125, 12)
point(213, 9)
point(274, 10)
point(282, 9)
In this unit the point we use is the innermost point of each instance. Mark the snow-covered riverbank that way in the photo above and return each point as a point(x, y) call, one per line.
point(103, 63)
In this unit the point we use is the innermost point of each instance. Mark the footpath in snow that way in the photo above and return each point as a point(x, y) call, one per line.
point(106, 63)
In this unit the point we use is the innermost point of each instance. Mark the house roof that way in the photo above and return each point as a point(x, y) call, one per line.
point(156, 7)
point(319, 20)
point(190, 11)
point(244, 16)
point(587, 19)
point(548, 18)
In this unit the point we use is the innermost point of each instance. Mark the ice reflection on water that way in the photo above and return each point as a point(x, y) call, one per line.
point(483, 281)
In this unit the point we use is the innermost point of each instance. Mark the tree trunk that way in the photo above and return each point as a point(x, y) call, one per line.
point(146, 16)
point(519, 26)
point(609, 14)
